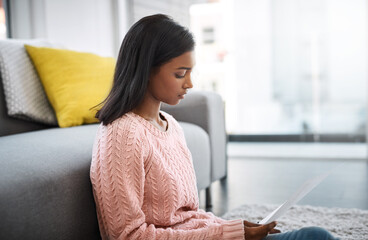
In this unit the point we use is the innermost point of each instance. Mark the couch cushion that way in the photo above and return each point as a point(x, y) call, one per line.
point(45, 189)
point(74, 82)
point(24, 94)
point(199, 145)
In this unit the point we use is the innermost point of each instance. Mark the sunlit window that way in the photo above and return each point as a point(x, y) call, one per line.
point(285, 66)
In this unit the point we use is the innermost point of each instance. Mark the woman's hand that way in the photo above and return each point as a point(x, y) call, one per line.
point(253, 231)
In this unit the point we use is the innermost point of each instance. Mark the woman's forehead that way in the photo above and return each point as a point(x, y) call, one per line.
point(185, 61)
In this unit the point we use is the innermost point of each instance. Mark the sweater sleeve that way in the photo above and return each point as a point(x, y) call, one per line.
point(118, 177)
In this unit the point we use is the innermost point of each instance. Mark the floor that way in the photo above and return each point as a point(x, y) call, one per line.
point(270, 173)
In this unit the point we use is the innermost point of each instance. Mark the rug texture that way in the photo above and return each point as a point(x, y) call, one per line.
point(345, 223)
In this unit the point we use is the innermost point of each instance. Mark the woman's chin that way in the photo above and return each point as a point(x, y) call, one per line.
point(173, 102)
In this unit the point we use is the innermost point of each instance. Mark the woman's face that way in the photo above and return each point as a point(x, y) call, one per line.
point(169, 83)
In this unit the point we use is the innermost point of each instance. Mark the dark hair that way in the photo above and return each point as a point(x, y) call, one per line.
point(151, 42)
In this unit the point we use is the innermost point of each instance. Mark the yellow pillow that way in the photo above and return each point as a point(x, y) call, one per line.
point(73, 81)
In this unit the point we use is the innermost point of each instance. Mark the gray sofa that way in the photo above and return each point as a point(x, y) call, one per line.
point(45, 189)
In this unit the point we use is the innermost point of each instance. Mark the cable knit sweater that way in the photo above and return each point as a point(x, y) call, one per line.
point(144, 184)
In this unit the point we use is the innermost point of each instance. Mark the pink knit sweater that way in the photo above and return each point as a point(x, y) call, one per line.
point(144, 184)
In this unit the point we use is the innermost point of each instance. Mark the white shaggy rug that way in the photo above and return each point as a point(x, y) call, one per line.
point(345, 223)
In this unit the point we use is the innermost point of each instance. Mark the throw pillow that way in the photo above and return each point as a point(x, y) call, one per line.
point(24, 95)
point(74, 82)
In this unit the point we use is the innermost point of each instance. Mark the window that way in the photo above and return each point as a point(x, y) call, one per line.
point(286, 67)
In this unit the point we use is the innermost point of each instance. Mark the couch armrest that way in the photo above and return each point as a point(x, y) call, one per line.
point(206, 110)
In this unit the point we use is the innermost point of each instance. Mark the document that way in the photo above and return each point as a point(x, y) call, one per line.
point(308, 186)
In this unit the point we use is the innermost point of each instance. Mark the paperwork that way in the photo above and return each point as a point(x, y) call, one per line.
point(308, 186)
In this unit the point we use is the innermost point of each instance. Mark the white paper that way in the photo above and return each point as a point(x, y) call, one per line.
point(308, 186)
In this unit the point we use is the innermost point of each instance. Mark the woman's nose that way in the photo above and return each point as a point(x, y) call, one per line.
point(188, 82)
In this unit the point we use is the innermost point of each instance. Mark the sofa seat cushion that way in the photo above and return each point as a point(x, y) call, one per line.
point(45, 187)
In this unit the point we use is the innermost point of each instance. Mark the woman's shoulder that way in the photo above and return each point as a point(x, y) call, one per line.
point(123, 135)
point(126, 125)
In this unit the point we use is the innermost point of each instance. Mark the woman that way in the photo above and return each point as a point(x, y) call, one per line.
point(142, 174)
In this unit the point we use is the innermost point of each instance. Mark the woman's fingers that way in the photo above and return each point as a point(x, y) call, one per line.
point(273, 231)
point(258, 232)
point(251, 224)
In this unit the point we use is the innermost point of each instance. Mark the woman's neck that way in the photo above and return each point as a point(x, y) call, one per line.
point(148, 111)
point(151, 112)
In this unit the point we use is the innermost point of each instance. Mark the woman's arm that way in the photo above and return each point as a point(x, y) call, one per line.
point(118, 176)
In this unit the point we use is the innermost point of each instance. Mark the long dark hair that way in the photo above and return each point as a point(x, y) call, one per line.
point(149, 43)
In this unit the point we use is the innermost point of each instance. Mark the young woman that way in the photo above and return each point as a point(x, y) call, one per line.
point(142, 174)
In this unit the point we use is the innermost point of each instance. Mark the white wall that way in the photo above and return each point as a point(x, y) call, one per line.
point(178, 9)
point(94, 26)
point(84, 25)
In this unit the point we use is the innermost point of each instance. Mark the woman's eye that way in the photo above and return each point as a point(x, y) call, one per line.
point(177, 75)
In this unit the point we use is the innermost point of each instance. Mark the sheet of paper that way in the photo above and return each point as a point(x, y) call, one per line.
point(308, 186)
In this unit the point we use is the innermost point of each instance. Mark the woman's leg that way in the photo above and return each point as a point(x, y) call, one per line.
point(308, 233)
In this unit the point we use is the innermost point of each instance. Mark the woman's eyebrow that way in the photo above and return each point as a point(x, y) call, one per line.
point(185, 68)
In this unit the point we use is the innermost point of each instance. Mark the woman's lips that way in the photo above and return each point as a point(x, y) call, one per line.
point(182, 95)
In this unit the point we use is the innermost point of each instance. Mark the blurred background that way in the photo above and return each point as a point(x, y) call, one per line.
point(292, 75)
point(288, 70)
